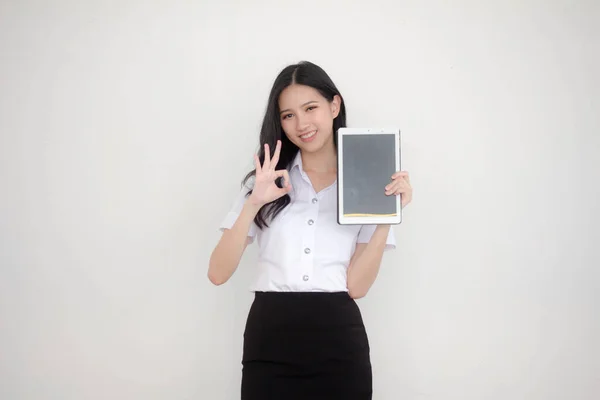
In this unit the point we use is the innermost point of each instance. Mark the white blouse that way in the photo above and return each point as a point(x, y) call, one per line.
point(304, 248)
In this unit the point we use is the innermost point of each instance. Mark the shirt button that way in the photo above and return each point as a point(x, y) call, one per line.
point(307, 250)
point(314, 201)
point(310, 222)
point(305, 277)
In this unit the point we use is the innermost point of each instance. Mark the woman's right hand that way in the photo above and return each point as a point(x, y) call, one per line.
point(265, 189)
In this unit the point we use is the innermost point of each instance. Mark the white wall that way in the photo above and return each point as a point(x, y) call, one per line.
point(126, 128)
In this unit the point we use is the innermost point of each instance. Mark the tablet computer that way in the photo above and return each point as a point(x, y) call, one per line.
point(367, 159)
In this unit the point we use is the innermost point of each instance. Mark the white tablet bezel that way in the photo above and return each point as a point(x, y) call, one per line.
point(366, 220)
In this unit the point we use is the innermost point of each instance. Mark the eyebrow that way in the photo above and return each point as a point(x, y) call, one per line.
point(305, 104)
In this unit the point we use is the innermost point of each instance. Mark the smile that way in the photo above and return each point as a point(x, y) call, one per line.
point(308, 136)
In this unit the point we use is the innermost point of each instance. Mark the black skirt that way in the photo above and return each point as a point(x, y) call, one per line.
point(305, 346)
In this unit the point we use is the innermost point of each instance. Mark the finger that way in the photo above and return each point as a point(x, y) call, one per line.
point(396, 187)
point(399, 174)
point(257, 164)
point(267, 162)
point(400, 179)
point(285, 190)
point(275, 159)
point(286, 177)
point(404, 189)
point(394, 184)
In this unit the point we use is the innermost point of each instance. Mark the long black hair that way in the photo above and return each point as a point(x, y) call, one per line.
point(303, 73)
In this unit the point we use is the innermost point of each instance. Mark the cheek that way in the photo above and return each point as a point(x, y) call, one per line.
point(324, 119)
point(287, 127)
point(286, 124)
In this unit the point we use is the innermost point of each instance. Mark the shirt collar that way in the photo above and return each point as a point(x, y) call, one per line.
point(297, 162)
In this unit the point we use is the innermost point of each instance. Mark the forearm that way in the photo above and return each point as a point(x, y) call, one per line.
point(227, 254)
point(363, 269)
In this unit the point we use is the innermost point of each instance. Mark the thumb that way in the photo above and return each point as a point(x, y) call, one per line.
point(283, 173)
point(287, 185)
point(285, 190)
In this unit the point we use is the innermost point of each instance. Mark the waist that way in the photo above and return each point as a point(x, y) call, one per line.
point(307, 298)
point(304, 309)
point(303, 277)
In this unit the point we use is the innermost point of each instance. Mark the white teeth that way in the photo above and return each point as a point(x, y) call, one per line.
point(308, 135)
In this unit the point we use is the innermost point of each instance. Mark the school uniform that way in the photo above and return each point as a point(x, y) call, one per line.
point(304, 336)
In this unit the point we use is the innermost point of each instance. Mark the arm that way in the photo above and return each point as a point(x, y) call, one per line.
point(227, 254)
point(365, 262)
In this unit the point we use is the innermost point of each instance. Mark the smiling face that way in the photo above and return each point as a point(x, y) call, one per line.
point(307, 117)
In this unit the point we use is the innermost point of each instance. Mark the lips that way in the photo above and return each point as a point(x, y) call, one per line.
point(309, 136)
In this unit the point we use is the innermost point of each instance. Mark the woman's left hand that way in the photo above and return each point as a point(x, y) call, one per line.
point(400, 185)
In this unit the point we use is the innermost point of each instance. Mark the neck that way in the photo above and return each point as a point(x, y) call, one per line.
point(323, 160)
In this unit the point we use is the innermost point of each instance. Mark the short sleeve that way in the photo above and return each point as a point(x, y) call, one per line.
point(234, 213)
point(366, 231)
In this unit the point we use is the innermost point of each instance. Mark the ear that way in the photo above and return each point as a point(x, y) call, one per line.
point(336, 103)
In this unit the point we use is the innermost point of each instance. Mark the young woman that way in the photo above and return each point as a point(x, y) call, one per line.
point(304, 336)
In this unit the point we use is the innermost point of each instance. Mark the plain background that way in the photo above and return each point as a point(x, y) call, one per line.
point(127, 126)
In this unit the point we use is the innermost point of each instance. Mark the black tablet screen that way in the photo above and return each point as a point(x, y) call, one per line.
point(368, 164)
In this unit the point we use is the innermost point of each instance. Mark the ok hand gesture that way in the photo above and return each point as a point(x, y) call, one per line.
point(265, 189)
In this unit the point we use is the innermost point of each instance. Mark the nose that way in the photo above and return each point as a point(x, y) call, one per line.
point(301, 123)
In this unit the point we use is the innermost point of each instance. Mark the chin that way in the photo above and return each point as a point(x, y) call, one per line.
point(310, 147)
point(315, 146)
